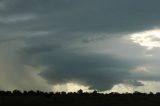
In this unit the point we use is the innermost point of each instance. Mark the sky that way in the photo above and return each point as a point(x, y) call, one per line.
point(67, 45)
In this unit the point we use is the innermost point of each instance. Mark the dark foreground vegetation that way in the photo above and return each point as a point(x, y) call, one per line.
point(80, 98)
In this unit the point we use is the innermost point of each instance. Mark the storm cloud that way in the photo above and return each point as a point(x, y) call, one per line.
point(97, 71)
point(79, 41)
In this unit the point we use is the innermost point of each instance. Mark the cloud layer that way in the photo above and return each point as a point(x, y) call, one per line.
point(87, 42)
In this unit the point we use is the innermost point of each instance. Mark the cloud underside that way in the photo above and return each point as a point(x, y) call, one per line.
point(93, 43)
point(96, 71)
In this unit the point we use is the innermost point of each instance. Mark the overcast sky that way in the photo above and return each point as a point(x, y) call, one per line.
point(65, 45)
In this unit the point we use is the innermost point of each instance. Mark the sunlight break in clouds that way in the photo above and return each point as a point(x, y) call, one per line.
point(70, 87)
point(149, 39)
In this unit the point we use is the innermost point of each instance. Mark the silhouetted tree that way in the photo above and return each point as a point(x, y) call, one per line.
point(17, 92)
point(94, 92)
point(63, 93)
point(80, 91)
point(2, 92)
point(31, 92)
point(151, 94)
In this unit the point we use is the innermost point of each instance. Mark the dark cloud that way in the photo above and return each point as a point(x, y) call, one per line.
point(57, 34)
point(97, 71)
point(86, 16)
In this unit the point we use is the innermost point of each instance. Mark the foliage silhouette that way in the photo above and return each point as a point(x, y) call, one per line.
point(79, 98)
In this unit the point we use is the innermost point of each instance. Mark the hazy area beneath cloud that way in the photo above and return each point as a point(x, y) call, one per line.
point(93, 43)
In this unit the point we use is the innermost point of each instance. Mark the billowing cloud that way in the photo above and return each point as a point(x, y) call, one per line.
point(98, 71)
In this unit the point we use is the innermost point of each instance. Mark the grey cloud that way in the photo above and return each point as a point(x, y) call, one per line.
point(79, 19)
point(133, 83)
point(88, 16)
point(97, 71)
point(53, 32)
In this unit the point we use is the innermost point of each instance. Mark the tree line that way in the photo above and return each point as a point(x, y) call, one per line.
point(79, 92)
point(79, 98)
